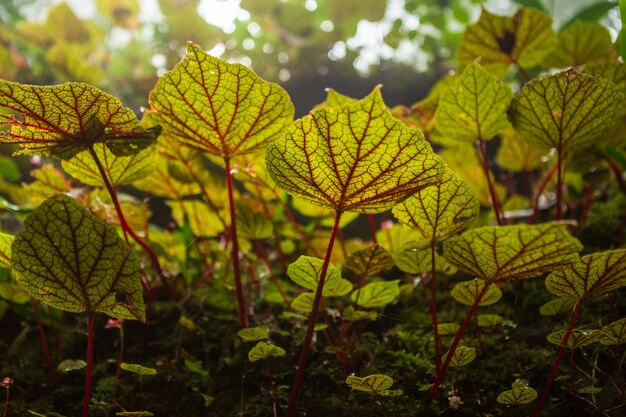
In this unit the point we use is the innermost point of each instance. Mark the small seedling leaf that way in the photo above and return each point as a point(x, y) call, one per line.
point(70, 365)
point(372, 384)
point(138, 369)
point(306, 272)
point(350, 314)
point(418, 259)
point(341, 288)
point(264, 350)
point(557, 306)
point(223, 109)
point(496, 253)
point(303, 302)
point(462, 356)
point(134, 413)
point(370, 261)
point(446, 329)
point(594, 274)
point(517, 396)
point(353, 158)
point(376, 294)
point(614, 333)
point(467, 292)
point(578, 338)
point(75, 262)
point(254, 334)
point(489, 320)
point(440, 210)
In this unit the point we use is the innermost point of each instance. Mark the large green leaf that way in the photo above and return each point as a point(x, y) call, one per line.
point(120, 170)
point(306, 273)
point(6, 240)
point(517, 155)
point(369, 261)
point(75, 262)
point(220, 108)
point(49, 181)
point(495, 253)
point(499, 41)
point(376, 294)
point(580, 43)
point(594, 274)
point(474, 107)
point(467, 292)
point(614, 72)
point(568, 111)
point(68, 118)
point(440, 210)
point(251, 225)
point(353, 158)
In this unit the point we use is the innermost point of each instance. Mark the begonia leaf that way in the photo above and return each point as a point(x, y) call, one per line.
point(138, 369)
point(516, 154)
point(49, 181)
point(203, 221)
point(517, 396)
point(339, 289)
point(447, 329)
point(303, 302)
point(474, 107)
point(557, 306)
point(370, 261)
point(336, 99)
point(69, 118)
point(614, 72)
point(500, 41)
point(488, 320)
point(580, 43)
point(376, 294)
point(350, 314)
point(467, 292)
point(495, 253)
point(71, 260)
point(306, 272)
point(594, 274)
point(416, 259)
point(578, 338)
point(353, 158)
point(223, 109)
point(251, 225)
point(264, 350)
point(12, 292)
point(568, 110)
point(462, 356)
point(6, 240)
point(254, 334)
point(440, 210)
point(614, 333)
point(372, 384)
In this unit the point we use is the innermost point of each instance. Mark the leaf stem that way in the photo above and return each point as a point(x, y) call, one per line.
point(44, 341)
point(557, 360)
point(457, 339)
point(372, 223)
point(493, 197)
point(87, 392)
point(619, 177)
point(559, 183)
point(241, 303)
point(126, 228)
point(306, 345)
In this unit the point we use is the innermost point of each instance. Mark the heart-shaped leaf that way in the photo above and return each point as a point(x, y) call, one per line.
point(557, 306)
point(372, 384)
point(488, 320)
point(495, 253)
point(614, 333)
point(338, 289)
point(467, 292)
point(416, 259)
point(254, 334)
point(578, 338)
point(568, 111)
point(49, 181)
point(370, 261)
point(580, 43)
point(474, 107)
point(517, 396)
point(264, 350)
point(71, 260)
point(500, 41)
point(138, 369)
point(440, 210)
point(12, 292)
point(306, 273)
point(376, 294)
point(594, 274)
point(353, 158)
point(517, 155)
point(447, 329)
point(462, 356)
point(303, 302)
point(6, 240)
point(223, 109)
point(350, 314)
point(251, 225)
point(68, 118)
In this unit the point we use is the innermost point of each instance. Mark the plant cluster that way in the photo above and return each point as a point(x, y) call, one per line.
point(253, 193)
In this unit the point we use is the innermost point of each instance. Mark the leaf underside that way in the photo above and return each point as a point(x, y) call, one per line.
point(75, 262)
point(369, 261)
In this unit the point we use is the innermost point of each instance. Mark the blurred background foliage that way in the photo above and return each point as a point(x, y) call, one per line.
point(123, 46)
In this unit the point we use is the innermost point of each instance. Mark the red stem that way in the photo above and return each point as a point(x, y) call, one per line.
point(617, 172)
point(557, 360)
point(44, 342)
point(306, 346)
point(457, 339)
point(87, 392)
point(433, 301)
point(372, 223)
point(241, 303)
point(542, 186)
point(559, 184)
point(493, 197)
point(127, 229)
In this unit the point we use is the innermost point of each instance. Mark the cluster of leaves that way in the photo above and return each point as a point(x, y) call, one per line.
point(82, 247)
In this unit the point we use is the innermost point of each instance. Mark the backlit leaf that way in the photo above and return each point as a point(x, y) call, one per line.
point(353, 158)
point(306, 273)
point(12, 292)
point(416, 259)
point(70, 365)
point(303, 302)
point(499, 41)
point(138, 369)
point(49, 181)
point(335, 99)
point(568, 110)
point(614, 333)
point(203, 221)
point(264, 350)
point(376, 294)
point(488, 320)
point(467, 292)
point(224, 109)
point(395, 236)
point(341, 288)
point(75, 262)
point(462, 356)
point(578, 338)
point(516, 154)
point(474, 107)
point(120, 170)
point(517, 396)
point(557, 306)
point(6, 240)
point(372, 384)
point(614, 72)
point(580, 43)
point(325, 215)
point(440, 210)
point(350, 314)
point(251, 225)
point(253, 334)
point(370, 261)
point(594, 274)
point(446, 329)
point(68, 118)
point(522, 251)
